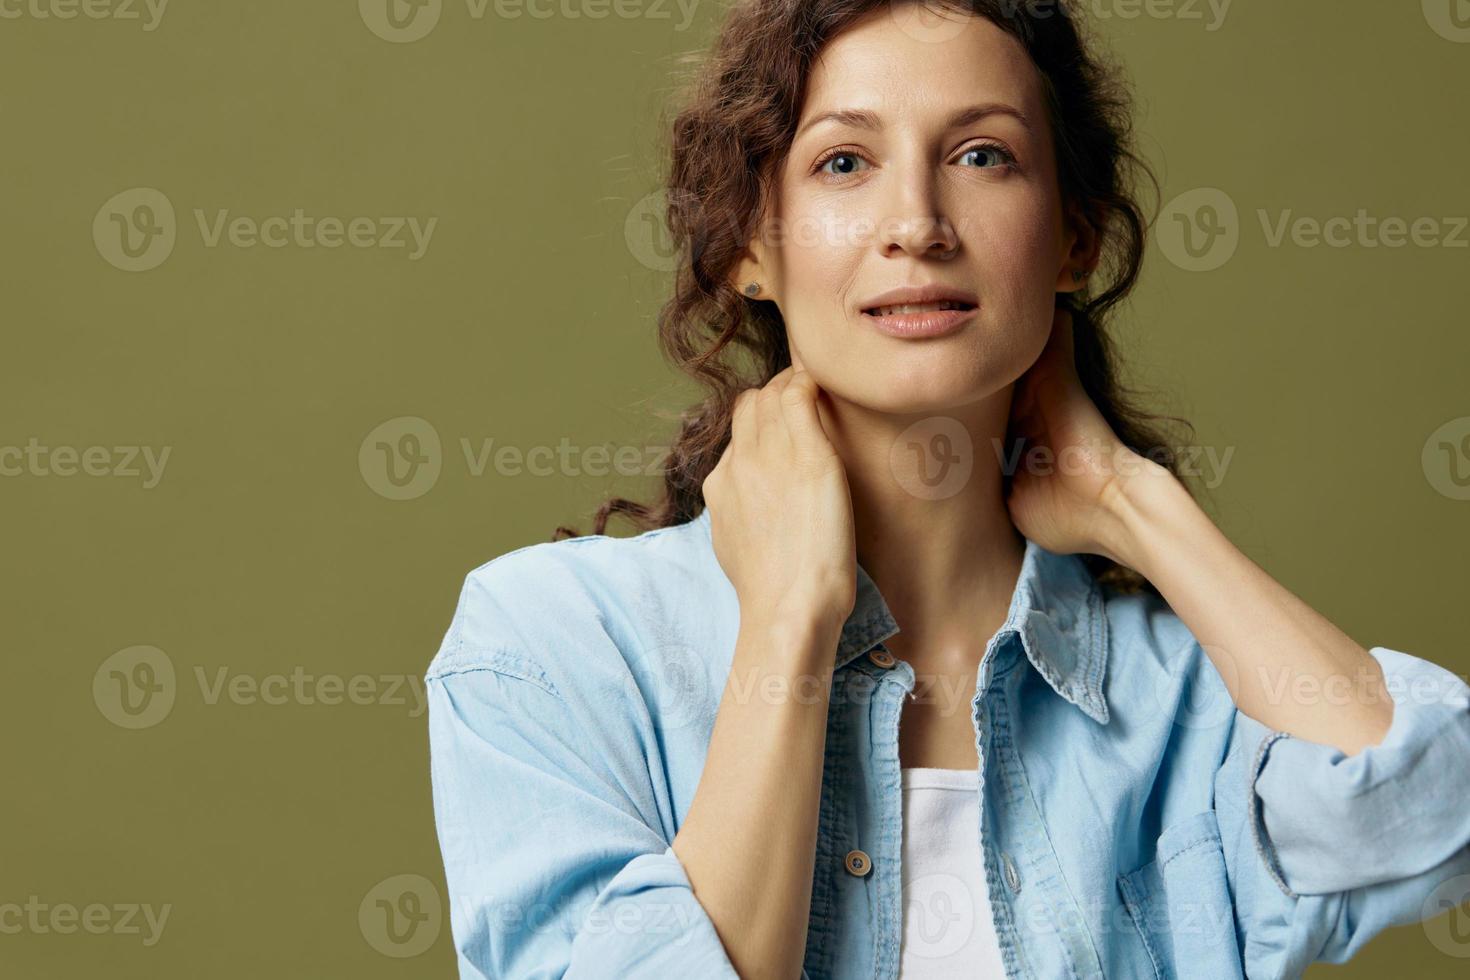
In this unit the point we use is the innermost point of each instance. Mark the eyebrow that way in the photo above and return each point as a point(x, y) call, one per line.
point(867, 119)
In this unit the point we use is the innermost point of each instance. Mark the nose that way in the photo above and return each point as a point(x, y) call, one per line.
point(916, 224)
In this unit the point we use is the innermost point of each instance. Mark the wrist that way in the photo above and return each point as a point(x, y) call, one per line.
point(810, 605)
point(803, 634)
point(1138, 503)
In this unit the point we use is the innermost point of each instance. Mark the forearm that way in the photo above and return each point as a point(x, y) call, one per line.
point(749, 841)
point(1285, 665)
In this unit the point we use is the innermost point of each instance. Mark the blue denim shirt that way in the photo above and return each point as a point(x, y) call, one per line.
point(1134, 822)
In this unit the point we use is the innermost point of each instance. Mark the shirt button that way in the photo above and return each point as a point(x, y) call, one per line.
point(858, 863)
point(1013, 877)
point(881, 657)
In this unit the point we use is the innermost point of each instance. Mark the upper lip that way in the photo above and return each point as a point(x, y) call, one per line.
point(931, 293)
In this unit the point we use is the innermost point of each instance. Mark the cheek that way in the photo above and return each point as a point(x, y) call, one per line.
point(1014, 242)
point(820, 252)
point(823, 239)
point(1016, 251)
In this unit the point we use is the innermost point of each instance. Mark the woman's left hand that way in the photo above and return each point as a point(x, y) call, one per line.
point(1070, 472)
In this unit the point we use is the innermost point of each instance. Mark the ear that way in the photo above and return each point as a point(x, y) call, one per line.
point(750, 269)
point(1083, 247)
point(754, 264)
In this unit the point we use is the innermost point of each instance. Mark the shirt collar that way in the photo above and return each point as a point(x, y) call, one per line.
point(1056, 611)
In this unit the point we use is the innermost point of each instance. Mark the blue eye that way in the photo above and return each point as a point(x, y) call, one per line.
point(848, 161)
point(836, 155)
point(1001, 154)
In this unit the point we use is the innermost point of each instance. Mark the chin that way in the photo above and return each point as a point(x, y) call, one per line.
point(919, 386)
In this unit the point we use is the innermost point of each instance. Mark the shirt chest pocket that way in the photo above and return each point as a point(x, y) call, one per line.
point(1180, 903)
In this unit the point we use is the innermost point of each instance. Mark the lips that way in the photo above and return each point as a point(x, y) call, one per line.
point(925, 298)
point(943, 304)
point(924, 324)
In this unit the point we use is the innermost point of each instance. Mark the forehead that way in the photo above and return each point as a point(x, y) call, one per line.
point(899, 60)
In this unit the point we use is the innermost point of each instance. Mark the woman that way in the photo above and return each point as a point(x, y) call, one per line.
point(1103, 743)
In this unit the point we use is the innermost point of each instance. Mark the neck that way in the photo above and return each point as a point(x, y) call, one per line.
point(940, 546)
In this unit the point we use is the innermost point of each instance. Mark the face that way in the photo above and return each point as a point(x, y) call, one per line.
point(947, 177)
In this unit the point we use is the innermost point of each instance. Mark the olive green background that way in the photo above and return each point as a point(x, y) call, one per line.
point(267, 549)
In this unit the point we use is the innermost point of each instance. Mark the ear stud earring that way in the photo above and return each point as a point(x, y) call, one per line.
point(752, 288)
point(1078, 275)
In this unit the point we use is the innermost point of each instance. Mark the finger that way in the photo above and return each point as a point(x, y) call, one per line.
point(768, 406)
point(742, 421)
point(782, 376)
point(799, 402)
point(780, 380)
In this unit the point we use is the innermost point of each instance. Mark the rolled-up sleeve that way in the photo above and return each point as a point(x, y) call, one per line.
point(554, 866)
point(1351, 844)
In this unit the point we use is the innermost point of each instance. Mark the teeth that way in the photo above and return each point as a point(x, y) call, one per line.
point(918, 308)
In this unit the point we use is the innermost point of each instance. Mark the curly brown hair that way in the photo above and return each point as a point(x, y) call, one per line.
point(743, 105)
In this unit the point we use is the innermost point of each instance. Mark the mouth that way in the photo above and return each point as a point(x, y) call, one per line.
point(916, 320)
point(905, 308)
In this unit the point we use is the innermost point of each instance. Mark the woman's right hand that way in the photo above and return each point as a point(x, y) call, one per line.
point(780, 507)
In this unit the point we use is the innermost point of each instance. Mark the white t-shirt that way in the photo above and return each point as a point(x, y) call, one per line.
point(948, 931)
